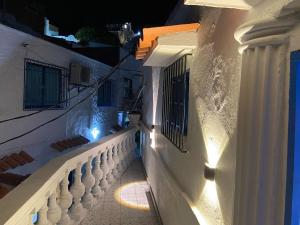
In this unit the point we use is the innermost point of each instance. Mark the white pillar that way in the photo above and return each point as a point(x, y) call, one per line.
point(262, 122)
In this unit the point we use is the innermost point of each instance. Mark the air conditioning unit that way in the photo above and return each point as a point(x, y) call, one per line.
point(80, 75)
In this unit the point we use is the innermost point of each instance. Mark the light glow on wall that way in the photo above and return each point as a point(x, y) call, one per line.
point(199, 216)
point(126, 196)
point(207, 209)
point(95, 132)
point(152, 138)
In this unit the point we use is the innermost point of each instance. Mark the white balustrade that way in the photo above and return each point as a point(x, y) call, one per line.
point(77, 212)
point(110, 177)
point(54, 211)
point(43, 219)
point(116, 159)
point(105, 169)
point(89, 182)
point(60, 201)
point(98, 174)
point(65, 201)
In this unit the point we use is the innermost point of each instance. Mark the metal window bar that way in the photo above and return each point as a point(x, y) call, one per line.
point(63, 93)
point(175, 102)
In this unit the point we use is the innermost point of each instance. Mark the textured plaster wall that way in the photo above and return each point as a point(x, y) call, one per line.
point(213, 99)
point(80, 121)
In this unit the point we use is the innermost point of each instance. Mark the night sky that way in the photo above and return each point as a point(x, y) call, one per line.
point(69, 15)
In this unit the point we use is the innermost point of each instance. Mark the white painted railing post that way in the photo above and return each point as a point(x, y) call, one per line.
point(77, 212)
point(54, 212)
point(66, 200)
point(121, 166)
point(110, 177)
point(98, 174)
point(89, 182)
point(127, 151)
point(119, 154)
point(43, 218)
point(115, 171)
point(104, 168)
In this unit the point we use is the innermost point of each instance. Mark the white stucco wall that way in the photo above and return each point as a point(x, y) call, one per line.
point(213, 99)
point(80, 121)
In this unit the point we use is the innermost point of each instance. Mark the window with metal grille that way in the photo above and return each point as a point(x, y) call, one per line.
point(127, 88)
point(105, 94)
point(175, 102)
point(45, 86)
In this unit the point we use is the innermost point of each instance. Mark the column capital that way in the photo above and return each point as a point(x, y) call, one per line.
point(275, 23)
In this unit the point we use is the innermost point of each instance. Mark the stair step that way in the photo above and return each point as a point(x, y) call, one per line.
point(10, 161)
point(69, 143)
point(3, 191)
point(19, 159)
point(4, 166)
point(12, 178)
point(26, 156)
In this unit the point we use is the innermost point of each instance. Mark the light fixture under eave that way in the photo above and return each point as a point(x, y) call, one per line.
point(209, 173)
point(95, 132)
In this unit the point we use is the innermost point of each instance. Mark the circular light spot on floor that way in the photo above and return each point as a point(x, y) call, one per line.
point(133, 195)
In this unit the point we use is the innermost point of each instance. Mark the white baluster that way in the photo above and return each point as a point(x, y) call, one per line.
point(119, 154)
point(116, 162)
point(134, 145)
point(77, 212)
point(125, 163)
point(89, 182)
point(30, 219)
point(105, 170)
point(127, 157)
point(54, 212)
point(65, 202)
point(98, 174)
point(110, 177)
point(43, 218)
point(121, 159)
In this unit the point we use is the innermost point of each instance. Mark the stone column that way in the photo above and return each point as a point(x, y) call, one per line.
point(263, 120)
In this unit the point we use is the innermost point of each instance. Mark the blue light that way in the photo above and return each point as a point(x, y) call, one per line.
point(138, 33)
point(34, 218)
point(95, 132)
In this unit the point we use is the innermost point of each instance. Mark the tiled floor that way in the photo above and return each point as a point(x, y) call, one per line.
point(127, 202)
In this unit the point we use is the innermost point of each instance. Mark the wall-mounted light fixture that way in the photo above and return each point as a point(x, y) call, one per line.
point(95, 132)
point(209, 173)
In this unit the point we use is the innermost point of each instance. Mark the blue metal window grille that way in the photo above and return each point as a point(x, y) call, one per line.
point(105, 94)
point(175, 102)
point(45, 86)
point(127, 88)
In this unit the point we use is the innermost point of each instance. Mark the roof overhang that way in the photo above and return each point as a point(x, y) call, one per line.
point(237, 4)
point(163, 45)
point(170, 47)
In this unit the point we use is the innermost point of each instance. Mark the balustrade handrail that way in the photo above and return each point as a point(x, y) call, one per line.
point(30, 196)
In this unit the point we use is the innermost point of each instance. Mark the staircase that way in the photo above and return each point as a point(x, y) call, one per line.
point(8, 181)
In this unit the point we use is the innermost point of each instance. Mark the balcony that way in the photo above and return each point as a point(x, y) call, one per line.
point(98, 183)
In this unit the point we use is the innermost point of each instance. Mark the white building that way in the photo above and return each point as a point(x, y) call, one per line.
point(219, 130)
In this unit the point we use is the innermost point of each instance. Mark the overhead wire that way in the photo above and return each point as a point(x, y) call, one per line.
point(99, 83)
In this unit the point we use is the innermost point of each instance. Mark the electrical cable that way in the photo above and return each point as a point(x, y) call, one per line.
point(50, 107)
point(99, 84)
